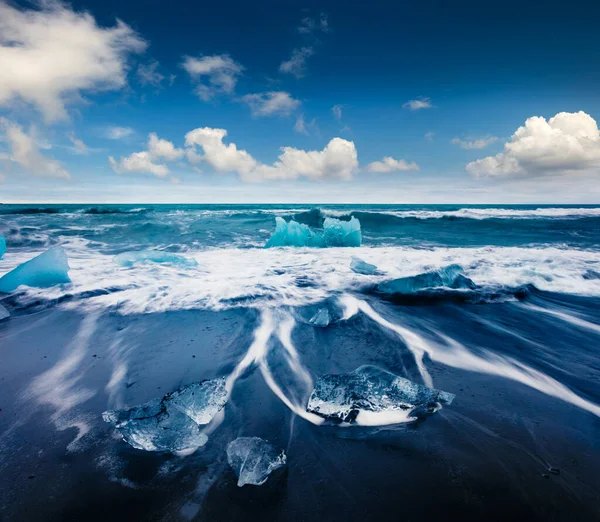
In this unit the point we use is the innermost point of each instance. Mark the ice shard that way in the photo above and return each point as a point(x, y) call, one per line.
point(4, 313)
point(321, 318)
point(2, 245)
point(450, 277)
point(173, 422)
point(335, 233)
point(253, 460)
point(128, 259)
point(371, 396)
point(48, 269)
point(362, 267)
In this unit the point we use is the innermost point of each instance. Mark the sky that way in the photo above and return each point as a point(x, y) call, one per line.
point(289, 102)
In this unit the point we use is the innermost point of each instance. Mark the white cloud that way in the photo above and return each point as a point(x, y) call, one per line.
point(271, 103)
point(303, 128)
point(337, 160)
point(429, 135)
point(149, 75)
point(25, 151)
point(148, 160)
point(309, 26)
point(389, 164)
point(474, 143)
point(418, 104)
point(118, 133)
point(55, 54)
point(296, 65)
point(78, 146)
point(565, 143)
point(213, 75)
point(159, 148)
point(337, 111)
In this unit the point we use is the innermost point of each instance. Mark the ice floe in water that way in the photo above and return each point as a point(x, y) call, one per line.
point(2, 245)
point(362, 267)
point(321, 318)
point(48, 269)
point(4, 313)
point(370, 396)
point(450, 277)
point(335, 233)
point(173, 422)
point(253, 460)
point(128, 259)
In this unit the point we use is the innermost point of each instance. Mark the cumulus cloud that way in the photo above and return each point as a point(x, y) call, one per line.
point(337, 160)
point(25, 151)
point(389, 164)
point(118, 133)
point(213, 75)
point(296, 65)
point(271, 103)
point(567, 142)
point(148, 161)
point(418, 104)
point(474, 143)
point(54, 54)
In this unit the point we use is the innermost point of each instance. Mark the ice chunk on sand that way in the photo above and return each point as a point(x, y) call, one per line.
point(321, 318)
point(371, 396)
point(362, 267)
point(253, 460)
point(4, 313)
point(173, 422)
point(450, 276)
point(47, 269)
point(2, 245)
point(335, 233)
point(339, 233)
point(127, 259)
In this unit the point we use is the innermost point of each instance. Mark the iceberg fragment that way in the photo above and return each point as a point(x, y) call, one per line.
point(4, 313)
point(48, 269)
point(336, 233)
point(371, 396)
point(128, 259)
point(173, 422)
point(2, 245)
point(450, 276)
point(253, 460)
point(362, 267)
point(321, 318)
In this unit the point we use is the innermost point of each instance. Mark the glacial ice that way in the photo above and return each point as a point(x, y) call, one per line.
point(128, 259)
point(173, 422)
point(372, 396)
point(253, 460)
point(450, 276)
point(2, 245)
point(336, 233)
point(47, 269)
point(321, 318)
point(4, 313)
point(362, 267)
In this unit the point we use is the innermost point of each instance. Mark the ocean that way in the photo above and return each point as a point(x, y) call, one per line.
point(518, 346)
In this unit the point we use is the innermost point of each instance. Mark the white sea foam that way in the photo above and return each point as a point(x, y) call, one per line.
point(498, 213)
point(257, 277)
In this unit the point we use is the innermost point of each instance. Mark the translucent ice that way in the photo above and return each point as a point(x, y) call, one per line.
point(362, 267)
point(450, 277)
point(2, 245)
point(127, 259)
point(173, 422)
point(4, 313)
point(47, 269)
point(253, 460)
point(321, 318)
point(372, 396)
point(335, 233)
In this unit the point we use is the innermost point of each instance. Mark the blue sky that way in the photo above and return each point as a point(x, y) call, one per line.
point(325, 102)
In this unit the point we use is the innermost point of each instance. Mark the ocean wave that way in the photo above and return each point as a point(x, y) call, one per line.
point(498, 213)
point(233, 277)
